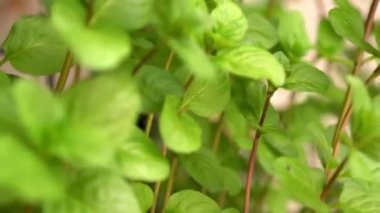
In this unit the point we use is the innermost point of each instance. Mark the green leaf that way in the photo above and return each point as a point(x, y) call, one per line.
point(249, 97)
point(361, 98)
point(25, 174)
point(194, 57)
point(252, 62)
point(230, 210)
point(305, 77)
point(329, 43)
point(139, 159)
point(238, 127)
point(321, 138)
point(366, 115)
point(37, 117)
point(5, 82)
point(101, 113)
point(292, 34)
point(154, 85)
point(276, 200)
point(363, 168)
point(181, 19)
point(34, 47)
point(189, 201)
point(299, 182)
point(232, 181)
point(230, 24)
point(144, 195)
point(360, 196)
point(47, 4)
point(97, 48)
point(97, 192)
point(127, 14)
point(207, 97)
point(348, 23)
point(205, 169)
point(261, 32)
point(10, 120)
point(179, 131)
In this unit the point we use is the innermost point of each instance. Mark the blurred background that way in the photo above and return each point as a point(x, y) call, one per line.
point(12, 10)
point(312, 10)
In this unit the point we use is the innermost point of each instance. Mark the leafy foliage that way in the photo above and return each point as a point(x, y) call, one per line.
point(34, 47)
point(186, 93)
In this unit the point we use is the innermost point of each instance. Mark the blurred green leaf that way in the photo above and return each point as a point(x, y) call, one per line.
point(207, 97)
point(305, 77)
point(361, 98)
point(252, 62)
point(205, 169)
point(276, 200)
point(127, 14)
point(299, 182)
point(34, 47)
point(25, 173)
point(37, 117)
point(97, 48)
point(230, 210)
point(249, 97)
point(181, 19)
point(97, 192)
point(194, 58)
point(154, 85)
point(366, 115)
point(349, 24)
point(5, 82)
point(363, 168)
point(238, 126)
point(101, 113)
point(292, 34)
point(189, 201)
point(360, 196)
point(329, 43)
point(144, 195)
point(230, 24)
point(179, 131)
point(139, 159)
point(261, 32)
point(232, 181)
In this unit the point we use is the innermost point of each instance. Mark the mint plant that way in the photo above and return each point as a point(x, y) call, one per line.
point(176, 115)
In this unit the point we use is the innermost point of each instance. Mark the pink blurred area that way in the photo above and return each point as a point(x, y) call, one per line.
point(12, 10)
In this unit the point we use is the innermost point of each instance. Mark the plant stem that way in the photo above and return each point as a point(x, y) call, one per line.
point(143, 61)
point(169, 185)
point(64, 72)
point(157, 186)
point(346, 112)
point(222, 199)
point(333, 178)
point(271, 4)
point(149, 123)
point(164, 150)
point(218, 134)
point(3, 61)
point(77, 72)
point(252, 156)
point(28, 208)
point(374, 74)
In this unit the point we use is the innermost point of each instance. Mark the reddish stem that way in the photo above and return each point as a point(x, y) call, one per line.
point(252, 156)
